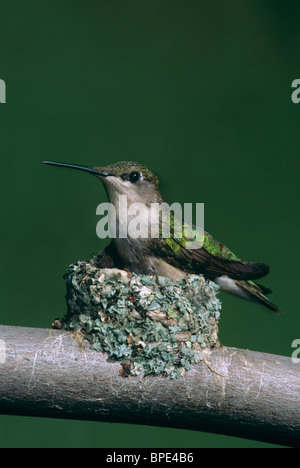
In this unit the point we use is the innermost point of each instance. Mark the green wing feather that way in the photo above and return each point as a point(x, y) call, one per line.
point(212, 258)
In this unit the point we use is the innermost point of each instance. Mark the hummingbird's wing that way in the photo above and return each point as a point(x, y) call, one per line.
point(257, 293)
point(212, 259)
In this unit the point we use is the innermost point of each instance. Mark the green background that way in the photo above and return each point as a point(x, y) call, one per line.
point(199, 91)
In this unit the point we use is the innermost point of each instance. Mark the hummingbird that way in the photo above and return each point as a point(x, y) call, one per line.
point(170, 257)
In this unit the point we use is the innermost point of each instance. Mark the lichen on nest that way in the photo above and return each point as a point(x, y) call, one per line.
point(150, 324)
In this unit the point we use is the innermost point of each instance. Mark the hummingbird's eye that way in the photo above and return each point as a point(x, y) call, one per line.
point(134, 176)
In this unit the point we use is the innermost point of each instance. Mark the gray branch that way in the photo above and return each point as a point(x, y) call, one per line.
point(52, 373)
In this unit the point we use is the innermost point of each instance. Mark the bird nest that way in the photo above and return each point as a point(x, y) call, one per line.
point(150, 324)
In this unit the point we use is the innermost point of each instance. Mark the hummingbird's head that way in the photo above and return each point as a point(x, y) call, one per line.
point(128, 178)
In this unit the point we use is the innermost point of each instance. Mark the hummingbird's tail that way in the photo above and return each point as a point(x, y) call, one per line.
point(247, 290)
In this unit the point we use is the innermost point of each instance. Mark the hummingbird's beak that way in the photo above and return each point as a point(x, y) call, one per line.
point(89, 169)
